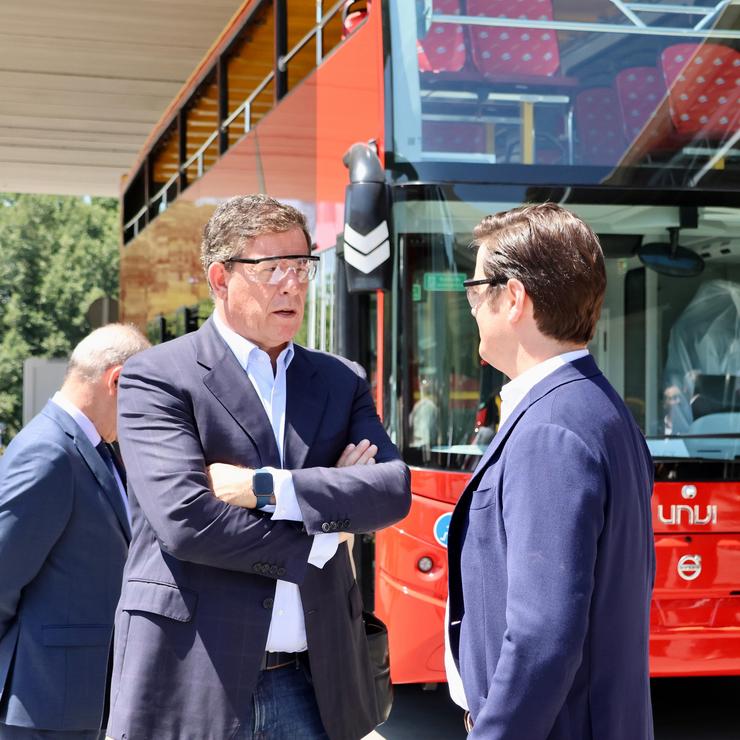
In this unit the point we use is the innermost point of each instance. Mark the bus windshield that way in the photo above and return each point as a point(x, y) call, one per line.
point(568, 91)
point(669, 343)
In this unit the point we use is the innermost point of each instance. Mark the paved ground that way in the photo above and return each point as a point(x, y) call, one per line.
point(684, 709)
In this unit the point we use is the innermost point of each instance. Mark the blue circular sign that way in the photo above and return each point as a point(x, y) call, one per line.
point(442, 527)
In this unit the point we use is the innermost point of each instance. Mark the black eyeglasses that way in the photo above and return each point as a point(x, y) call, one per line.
point(474, 296)
point(276, 268)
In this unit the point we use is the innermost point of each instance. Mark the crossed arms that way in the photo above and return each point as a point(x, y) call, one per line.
point(167, 475)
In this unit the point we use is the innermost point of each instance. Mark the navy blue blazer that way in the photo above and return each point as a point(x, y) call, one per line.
point(199, 584)
point(551, 567)
point(63, 540)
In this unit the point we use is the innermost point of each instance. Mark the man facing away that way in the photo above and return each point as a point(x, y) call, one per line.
point(64, 532)
point(240, 618)
point(551, 560)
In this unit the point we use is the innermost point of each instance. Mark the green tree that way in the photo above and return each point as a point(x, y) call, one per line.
point(57, 255)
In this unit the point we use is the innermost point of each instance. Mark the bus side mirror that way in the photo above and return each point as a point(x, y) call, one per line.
point(366, 238)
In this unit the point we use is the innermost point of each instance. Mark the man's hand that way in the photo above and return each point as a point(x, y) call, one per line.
point(362, 453)
point(232, 484)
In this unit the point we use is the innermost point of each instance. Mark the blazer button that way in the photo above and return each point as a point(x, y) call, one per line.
point(267, 603)
point(281, 572)
point(326, 527)
point(273, 570)
point(257, 567)
point(334, 526)
point(345, 524)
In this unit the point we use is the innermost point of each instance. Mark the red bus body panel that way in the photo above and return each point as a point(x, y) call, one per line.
point(695, 617)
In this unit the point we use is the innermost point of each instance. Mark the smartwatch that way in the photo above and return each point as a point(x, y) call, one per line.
point(263, 488)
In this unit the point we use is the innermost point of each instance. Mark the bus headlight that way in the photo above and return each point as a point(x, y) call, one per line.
point(425, 564)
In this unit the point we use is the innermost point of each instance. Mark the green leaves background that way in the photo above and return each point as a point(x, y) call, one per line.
point(57, 255)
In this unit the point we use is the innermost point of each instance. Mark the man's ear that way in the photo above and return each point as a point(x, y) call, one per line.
point(110, 377)
point(517, 298)
point(217, 278)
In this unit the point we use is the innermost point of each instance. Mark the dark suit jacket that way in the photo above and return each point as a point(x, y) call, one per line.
point(200, 580)
point(63, 540)
point(551, 566)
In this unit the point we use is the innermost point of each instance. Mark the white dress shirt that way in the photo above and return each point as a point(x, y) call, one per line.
point(287, 628)
point(89, 430)
point(512, 394)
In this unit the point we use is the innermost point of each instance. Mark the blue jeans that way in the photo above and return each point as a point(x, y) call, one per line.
point(284, 707)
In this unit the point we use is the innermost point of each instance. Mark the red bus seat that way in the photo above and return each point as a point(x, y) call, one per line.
point(506, 52)
point(448, 136)
point(640, 91)
point(443, 49)
point(598, 121)
point(702, 82)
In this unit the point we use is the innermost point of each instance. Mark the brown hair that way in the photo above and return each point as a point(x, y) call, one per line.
point(246, 217)
point(556, 257)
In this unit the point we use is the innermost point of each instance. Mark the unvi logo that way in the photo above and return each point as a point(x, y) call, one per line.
point(442, 527)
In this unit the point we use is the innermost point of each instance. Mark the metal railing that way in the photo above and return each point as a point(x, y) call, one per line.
point(472, 20)
point(244, 108)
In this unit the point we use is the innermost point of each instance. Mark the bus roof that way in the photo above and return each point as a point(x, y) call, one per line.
point(83, 85)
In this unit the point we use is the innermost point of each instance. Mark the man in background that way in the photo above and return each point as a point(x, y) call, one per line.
point(64, 533)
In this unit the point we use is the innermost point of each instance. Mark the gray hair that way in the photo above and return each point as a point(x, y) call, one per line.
point(246, 217)
point(103, 348)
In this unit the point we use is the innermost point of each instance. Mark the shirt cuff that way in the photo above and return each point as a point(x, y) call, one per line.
point(286, 503)
point(323, 548)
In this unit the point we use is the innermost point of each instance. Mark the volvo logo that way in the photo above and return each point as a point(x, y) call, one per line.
point(688, 492)
point(689, 567)
point(690, 515)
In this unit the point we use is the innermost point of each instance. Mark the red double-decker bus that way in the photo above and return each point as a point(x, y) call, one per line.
point(447, 110)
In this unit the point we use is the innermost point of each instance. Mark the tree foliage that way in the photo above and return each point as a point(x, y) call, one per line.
point(57, 255)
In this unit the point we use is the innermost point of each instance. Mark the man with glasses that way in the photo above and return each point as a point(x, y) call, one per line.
point(240, 616)
point(550, 546)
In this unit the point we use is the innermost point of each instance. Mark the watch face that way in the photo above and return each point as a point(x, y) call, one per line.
point(262, 483)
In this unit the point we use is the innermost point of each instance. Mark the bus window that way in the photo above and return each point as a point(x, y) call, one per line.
point(585, 90)
point(452, 398)
point(669, 345)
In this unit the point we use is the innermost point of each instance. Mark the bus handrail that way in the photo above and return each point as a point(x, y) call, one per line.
point(474, 20)
point(244, 108)
point(134, 221)
point(247, 103)
point(162, 192)
point(321, 21)
point(677, 9)
point(199, 154)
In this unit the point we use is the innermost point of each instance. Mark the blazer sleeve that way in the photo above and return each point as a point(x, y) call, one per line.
point(166, 474)
point(553, 500)
point(368, 497)
point(36, 498)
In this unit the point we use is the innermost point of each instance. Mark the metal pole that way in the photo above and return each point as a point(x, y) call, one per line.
point(281, 47)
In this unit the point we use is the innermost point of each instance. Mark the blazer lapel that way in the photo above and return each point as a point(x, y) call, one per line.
point(106, 480)
point(306, 399)
point(578, 370)
point(92, 459)
point(231, 386)
point(581, 369)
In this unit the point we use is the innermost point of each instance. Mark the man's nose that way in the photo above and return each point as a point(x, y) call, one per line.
point(289, 283)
